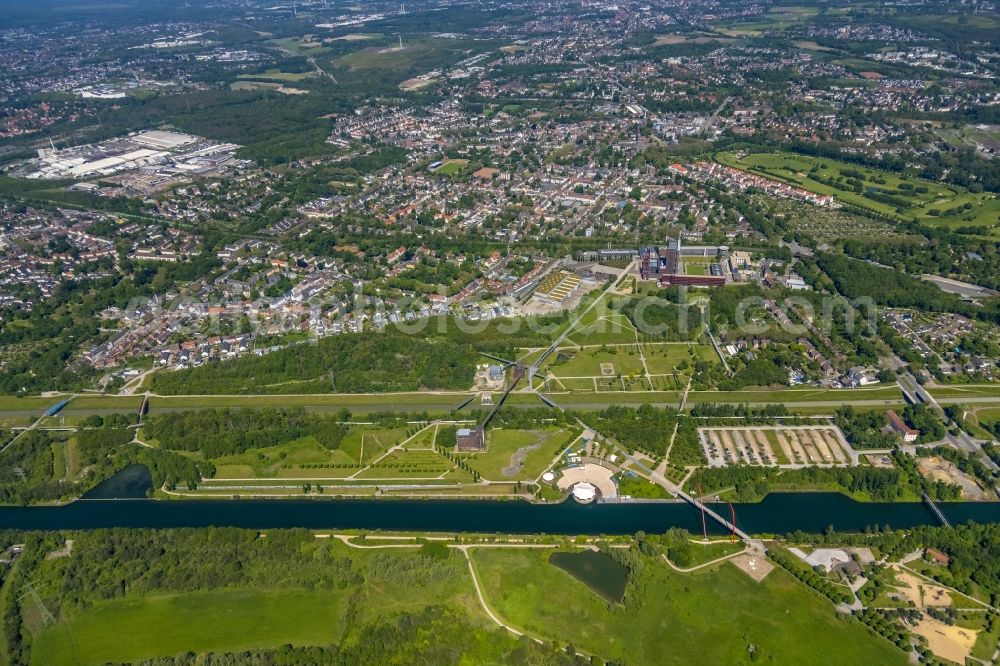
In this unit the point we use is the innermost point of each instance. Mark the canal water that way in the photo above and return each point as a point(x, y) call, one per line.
point(778, 513)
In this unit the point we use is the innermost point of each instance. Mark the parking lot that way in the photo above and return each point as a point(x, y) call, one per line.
point(778, 446)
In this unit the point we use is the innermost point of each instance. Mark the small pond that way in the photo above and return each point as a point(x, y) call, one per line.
point(132, 482)
point(595, 570)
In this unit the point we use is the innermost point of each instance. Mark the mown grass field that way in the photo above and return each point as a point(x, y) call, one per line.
point(966, 390)
point(712, 617)
point(503, 444)
point(588, 362)
point(808, 394)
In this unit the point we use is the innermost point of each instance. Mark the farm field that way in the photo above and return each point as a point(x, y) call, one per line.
point(878, 191)
point(777, 18)
point(786, 621)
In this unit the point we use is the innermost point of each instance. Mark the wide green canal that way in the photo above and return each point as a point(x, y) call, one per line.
point(778, 513)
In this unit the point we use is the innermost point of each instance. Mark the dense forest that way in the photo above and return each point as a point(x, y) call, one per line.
point(222, 432)
point(751, 484)
point(36, 468)
point(858, 279)
point(646, 429)
point(442, 357)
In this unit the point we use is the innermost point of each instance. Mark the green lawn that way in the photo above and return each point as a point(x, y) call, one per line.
point(589, 362)
point(133, 629)
point(365, 446)
point(636, 486)
point(409, 464)
point(277, 75)
point(970, 390)
point(126, 403)
point(664, 359)
point(606, 329)
point(31, 404)
point(808, 394)
point(451, 167)
point(503, 444)
point(712, 617)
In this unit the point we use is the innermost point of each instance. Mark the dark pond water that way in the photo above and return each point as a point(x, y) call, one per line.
point(132, 482)
point(595, 570)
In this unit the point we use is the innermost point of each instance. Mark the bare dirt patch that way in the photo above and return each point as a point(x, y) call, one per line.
point(949, 642)
point(938, 469)
point(922, 593)
point(753, 565)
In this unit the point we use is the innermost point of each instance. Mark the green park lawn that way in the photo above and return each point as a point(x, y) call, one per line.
point(588, 362)
point(636, 486)
point(277, 75)
point(451, 167)
point(364, 445)
point(9, 403)
point(966, 390)
point(606, 329)
point(808, 394)
point(664, 359)
point(503, 444)
point(711, 617)
point(101, 402)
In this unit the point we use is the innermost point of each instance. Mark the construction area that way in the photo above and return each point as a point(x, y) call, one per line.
point(777, 446)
